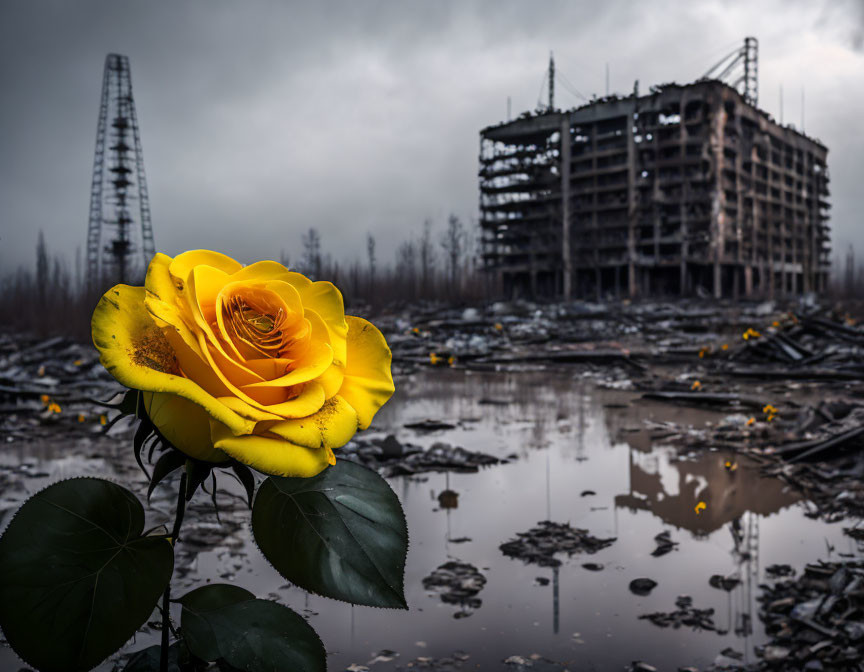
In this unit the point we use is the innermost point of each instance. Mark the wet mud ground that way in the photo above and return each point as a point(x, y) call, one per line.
point(574, 451)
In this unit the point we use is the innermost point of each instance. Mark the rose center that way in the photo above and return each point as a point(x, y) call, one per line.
point(261, 323)
point(259, 326)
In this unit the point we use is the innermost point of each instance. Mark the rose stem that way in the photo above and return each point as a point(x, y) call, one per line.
point(166, 597)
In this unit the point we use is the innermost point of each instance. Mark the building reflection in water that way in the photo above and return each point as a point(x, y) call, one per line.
point(736, 496)
point(671, 487)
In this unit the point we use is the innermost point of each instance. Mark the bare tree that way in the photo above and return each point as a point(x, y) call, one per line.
point(370, 251)
point(426, 252)
point(406, 266)
point(312, 253)
point(453, 242)
point(78, 274)
point(355, 278)
point(41, 268)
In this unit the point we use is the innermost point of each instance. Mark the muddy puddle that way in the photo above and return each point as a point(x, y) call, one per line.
point(576, 453)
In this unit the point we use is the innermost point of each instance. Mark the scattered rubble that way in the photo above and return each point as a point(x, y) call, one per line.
point(540, 544)
point(642, 586)
point(685, 614)
point(534, 663)
point(393, 458)
point(726, 583)
point(664, 544)
point(816, 622)
point(778, 571)
point(457, 583)
point(805, 367)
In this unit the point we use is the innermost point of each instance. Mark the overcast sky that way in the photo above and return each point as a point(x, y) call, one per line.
point(261, 119)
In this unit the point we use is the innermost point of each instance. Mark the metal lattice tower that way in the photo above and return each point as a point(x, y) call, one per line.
point(115, 245)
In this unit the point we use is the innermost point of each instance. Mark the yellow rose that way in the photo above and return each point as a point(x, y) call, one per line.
point(256, 363)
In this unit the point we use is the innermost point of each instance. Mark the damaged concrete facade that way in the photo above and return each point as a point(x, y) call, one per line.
point(688, 187)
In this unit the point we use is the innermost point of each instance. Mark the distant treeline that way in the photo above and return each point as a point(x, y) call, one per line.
point(50, 298)
point(441, 266)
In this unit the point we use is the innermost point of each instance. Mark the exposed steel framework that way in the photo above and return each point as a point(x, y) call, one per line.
point(117, 249)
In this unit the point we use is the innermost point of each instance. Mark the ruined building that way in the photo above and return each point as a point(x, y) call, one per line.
point(689, 189)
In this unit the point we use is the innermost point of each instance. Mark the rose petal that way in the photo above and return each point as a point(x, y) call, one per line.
point(310, 399)
point(184, 424)
point(322, 297)
point(331, 380)
point(368, 382)
point(274, 456)
point(159, 282)
point(326, 301)
point(331, 427)
point(135, 351)
point(308, 364)
point(242, 408)
point(183, 264)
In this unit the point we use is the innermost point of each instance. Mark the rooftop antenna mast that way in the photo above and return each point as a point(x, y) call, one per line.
point(744, 58)
point(751, 71)
point(112, 236)
point(551, 82)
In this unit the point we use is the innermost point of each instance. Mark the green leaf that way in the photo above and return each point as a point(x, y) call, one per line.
point(225, 622)
point(77, 579)
point(340, 534)
point(148, 660)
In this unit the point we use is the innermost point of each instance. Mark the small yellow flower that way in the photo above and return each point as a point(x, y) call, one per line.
point(700, 507)
point(730, 465)
point(499, 326)
point(451, 360)
point(750, 333)
point(81, 417)
point(45, 399)
point(54, 407)
point(751, 421)
point(771, 417)
point(775, 323)
point(435, 359)
point(724, 347)
point(696, 385)
point(704, 351)
point(416, 331)
point(769, 409)
point(103, 420)
point(77, 362)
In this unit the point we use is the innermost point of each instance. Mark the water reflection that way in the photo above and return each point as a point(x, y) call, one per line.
point(572, 438)
point(582, 455)
point(735, 496)
point(670, 487)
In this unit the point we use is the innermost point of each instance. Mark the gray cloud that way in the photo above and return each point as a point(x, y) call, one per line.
point(260, 119)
